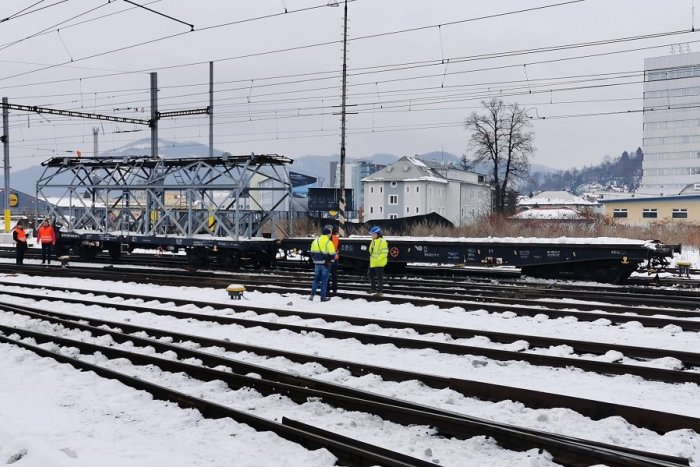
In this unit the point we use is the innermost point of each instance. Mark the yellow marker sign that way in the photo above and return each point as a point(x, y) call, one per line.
point(14, 200)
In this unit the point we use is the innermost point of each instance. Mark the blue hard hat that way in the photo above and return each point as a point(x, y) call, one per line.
point(375, 230)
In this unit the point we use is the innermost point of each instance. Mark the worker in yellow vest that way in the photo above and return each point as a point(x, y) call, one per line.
point(378, 257)
point(323, 255)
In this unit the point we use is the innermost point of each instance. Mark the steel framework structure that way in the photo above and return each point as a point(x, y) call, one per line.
point(208, 197)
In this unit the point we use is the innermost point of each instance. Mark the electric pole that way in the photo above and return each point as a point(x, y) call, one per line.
point(341, 197)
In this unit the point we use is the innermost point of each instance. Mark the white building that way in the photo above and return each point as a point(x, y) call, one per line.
point(411, 187)
point(671, 124)
point(555, 205)
point(557, 199)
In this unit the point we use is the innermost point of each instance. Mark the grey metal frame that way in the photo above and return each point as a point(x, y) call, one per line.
point(127, 196)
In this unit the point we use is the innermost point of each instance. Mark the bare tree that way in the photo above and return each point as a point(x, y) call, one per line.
point(501, 137)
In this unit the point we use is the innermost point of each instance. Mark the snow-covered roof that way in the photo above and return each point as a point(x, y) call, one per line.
point(548, 213)
point(417, 162)
point(426, 179)
point(555, 198)
point(411, 169)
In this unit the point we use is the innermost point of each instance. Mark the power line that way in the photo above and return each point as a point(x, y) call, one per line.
point(407, 65)
point(20, 11)
point(418, 102)
point(287, 49)
point(24, 11)
point(448, 97)
point(408, 126)
point(460, 59)
point(51, 28)
point(158, 39)
point(161, 14)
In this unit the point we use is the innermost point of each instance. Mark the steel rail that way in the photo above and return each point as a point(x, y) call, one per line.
point(598, 348)
point(478, 293)
point(649, 373)
point(523, 290)
point(350, 451)
point(568, 450)
point(158, 277)
point(658, 421)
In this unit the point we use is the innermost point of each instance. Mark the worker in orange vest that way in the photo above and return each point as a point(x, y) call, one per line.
point(20, 238)
point(47, 236)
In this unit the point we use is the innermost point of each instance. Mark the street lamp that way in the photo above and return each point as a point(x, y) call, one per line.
point(343, 100)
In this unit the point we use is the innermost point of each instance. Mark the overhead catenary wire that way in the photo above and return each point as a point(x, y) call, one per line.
point(286, 49)
point(51, 28)
point(160, 14)
point(162, 38)
point(414, 100)
point(457, 59)
point(441, 95)
point(24, 12)
point(20, 11)
point(455, 124)
point(418, 102)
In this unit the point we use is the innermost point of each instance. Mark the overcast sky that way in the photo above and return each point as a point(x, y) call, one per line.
point(277, 86)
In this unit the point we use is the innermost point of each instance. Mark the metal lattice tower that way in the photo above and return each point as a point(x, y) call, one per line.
point(210, 197)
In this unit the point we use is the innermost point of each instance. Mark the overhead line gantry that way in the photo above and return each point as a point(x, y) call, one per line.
point(152, 123)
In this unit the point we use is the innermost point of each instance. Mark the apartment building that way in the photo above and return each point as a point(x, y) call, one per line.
point(411, 187)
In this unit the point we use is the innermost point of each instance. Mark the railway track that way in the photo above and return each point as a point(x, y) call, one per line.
point(596, 410)
point(466, 294)
point(634, 309)
point(567, 450)
point(690, 360)
point(482, 274)
point(476, 279)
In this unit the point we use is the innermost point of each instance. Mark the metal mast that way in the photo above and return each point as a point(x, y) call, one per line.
point(341, 197)
point(211, 109)
point(6, 161)
point(154, 115)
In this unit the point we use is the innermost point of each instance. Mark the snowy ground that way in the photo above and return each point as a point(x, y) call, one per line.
point(69, 425)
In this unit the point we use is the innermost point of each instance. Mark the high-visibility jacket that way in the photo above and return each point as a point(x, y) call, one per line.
point(322, 250)
point(19, 235)
point(378, 253)
point(336, 244)
point(46, 235)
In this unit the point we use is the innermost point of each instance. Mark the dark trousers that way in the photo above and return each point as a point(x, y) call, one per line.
point(46, 252)
point(376, 279)
point(334, 277)
point(19, 252)
point(320, 278)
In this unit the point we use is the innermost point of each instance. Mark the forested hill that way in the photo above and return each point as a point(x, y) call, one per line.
point(623, 172)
